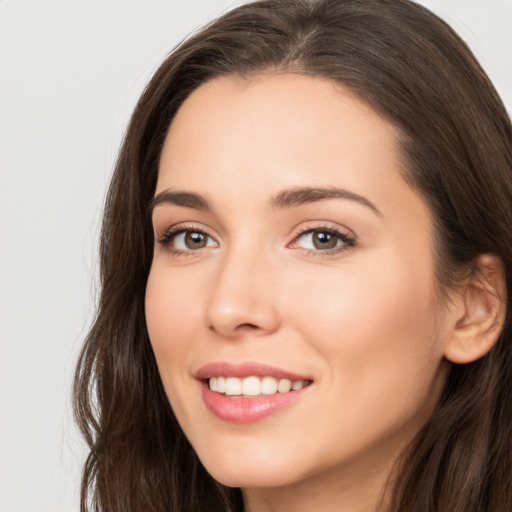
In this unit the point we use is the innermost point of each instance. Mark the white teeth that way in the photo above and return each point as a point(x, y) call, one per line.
point(233, 386)
point(284, 385)
point(251, 386)
point(268, 385)
point(254, 386)
point(221, 384)
point(297, 384)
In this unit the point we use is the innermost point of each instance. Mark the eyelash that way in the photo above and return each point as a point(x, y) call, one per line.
point(347, 240)
point(173, 232)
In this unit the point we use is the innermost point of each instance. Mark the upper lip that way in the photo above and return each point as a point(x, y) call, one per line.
point(245, 369)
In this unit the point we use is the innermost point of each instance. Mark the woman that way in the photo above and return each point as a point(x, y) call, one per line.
point(305, 269)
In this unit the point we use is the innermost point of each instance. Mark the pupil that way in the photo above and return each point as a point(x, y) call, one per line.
point(324, 240)
point(195, 240)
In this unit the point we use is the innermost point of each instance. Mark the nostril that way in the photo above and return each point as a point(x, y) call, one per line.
point(240, 328)
point(247, 326)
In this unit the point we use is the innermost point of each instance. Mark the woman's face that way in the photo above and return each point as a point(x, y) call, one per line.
point(291, 252)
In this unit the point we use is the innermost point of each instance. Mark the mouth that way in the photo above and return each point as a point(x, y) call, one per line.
point(254, 386)
point(249, 392)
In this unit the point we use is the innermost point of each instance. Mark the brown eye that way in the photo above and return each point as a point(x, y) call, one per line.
point(187, 240)
point(327, 240)
point(195, 240)
point(322, 240)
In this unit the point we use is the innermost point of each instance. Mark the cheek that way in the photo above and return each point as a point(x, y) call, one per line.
point(375, 333)
point(348, 302)
point(170, 316)
point(172, 320)
point(374, 328)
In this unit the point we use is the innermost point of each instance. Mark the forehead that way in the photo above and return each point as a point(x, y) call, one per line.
point(276, 121)
point(235, 138)
point(296, 106)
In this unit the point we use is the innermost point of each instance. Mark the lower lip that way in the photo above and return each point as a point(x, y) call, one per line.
point(236, 409)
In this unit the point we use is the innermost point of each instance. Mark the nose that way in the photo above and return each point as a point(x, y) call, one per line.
point(242, 299)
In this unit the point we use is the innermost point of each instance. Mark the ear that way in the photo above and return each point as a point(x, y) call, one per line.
point(479, 312)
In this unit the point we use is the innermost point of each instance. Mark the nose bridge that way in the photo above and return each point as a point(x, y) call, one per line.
point(241, 297)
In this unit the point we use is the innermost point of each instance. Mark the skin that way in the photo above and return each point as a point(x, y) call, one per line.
point(363, 320)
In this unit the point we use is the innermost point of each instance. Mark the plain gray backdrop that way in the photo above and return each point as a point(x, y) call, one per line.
point(70, 73)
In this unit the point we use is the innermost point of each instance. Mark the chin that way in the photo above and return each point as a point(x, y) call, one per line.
point(251, 478)
point(251, 472)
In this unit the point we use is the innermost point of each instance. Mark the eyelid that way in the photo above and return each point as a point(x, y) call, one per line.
point(347, 237)
point(167, 235)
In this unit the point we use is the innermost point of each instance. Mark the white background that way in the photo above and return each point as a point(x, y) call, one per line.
point(70, 73)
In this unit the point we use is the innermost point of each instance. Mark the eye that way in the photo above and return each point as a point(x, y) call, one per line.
point(327, 240)
point(190, 240)
point(185, 240)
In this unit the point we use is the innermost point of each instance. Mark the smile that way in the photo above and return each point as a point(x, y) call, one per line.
point(254, 386)
point(249, 392)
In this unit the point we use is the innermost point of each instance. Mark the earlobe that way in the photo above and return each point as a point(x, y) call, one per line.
point(480, 312)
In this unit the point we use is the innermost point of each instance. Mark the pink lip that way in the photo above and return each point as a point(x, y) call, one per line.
point(236, 409)
point(245, 369)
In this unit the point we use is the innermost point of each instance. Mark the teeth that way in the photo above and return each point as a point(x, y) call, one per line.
point(251, 386)
point(268, 385)
point(297, 384)
point(233, 386)
point(254, 386)
point(284, 385)
point(221, 384)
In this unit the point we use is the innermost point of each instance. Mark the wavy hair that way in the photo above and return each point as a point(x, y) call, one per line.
point(456, 140)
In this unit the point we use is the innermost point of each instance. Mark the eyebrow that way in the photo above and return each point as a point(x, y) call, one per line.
point(303, 195)
point(285, 199)
point(179, 198)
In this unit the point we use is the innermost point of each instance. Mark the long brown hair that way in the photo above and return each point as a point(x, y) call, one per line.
point(456, 140)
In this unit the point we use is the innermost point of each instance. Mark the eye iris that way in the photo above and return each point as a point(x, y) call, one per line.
point(194, 240)
point(323, 240)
